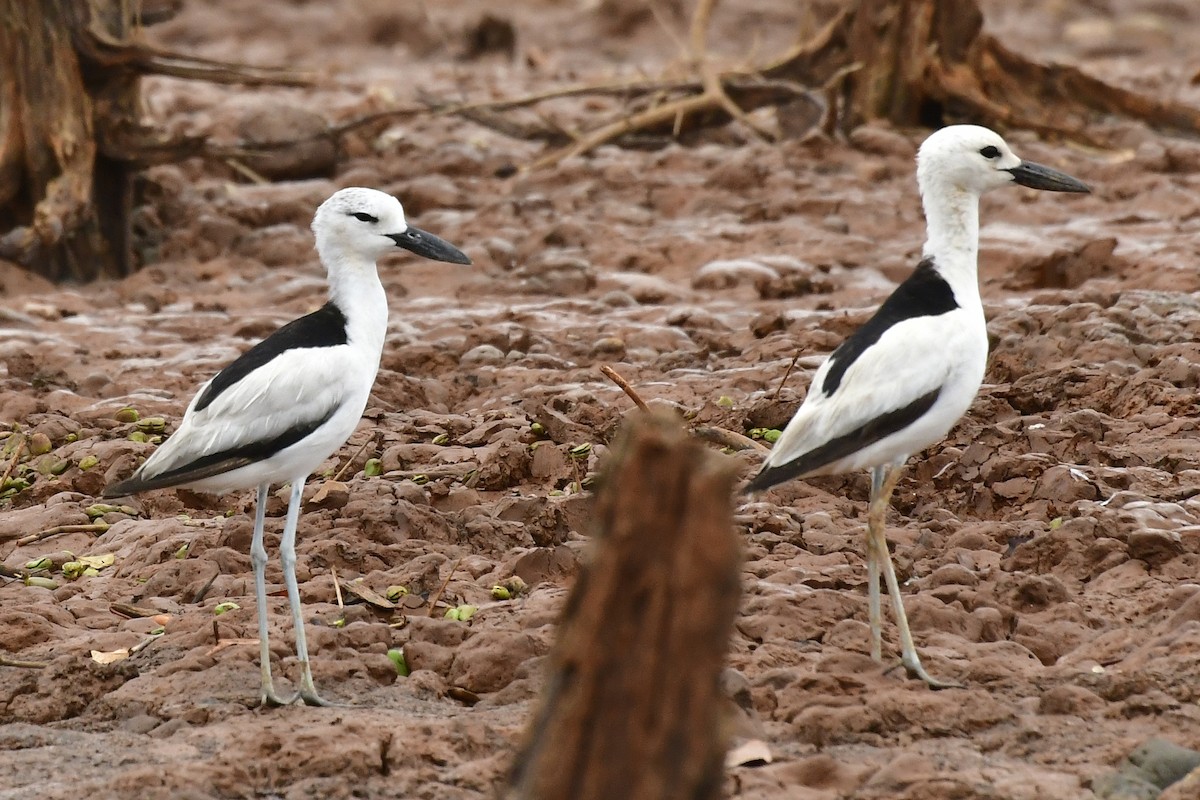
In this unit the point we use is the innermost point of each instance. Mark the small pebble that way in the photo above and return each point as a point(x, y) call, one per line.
point(618, 299)
point(609, 345)
point(482, 355)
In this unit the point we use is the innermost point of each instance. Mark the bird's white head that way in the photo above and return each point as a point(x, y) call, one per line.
point(973, 159)
point(363, 224)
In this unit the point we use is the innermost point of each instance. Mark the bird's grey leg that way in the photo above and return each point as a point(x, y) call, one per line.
point(875, 528)
point(873, 557)
point(258, 557)
point(287, 553)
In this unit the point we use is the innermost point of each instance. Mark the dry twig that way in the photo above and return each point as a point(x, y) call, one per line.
point(455, 471)
point(143, 644)
point(337, 588)
point(98, 527)
point(896, 60)
point(438, 594)
point(721, 436)
point(607, 133)
point(12, 463)
point(224, 644)
point(5, 661)
point(713, 87)
point(246, 172)
point(616, 378)
point(786, 373)
point(728, 438)
point(338, 476)
point(131, 611)
point(202, 592)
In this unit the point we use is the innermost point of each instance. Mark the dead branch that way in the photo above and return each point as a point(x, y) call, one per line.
point(5, 661)
point(714, 87)
point(71, 139)
point(97, 527)
point(709, 433)
point(623, 384)
point(668, 112)
point(131, 611)
point(911, 62)
point(337, 588)
point(433, 601)
point(786, 374)
point(12, 462)
point(459, 472)
point(728, 438)
point(108, 51)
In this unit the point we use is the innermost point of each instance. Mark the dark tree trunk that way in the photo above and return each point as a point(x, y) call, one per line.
point(49, 186)
point(71, 138)
point(929, 62)
point(631, 708)
point(913, 63)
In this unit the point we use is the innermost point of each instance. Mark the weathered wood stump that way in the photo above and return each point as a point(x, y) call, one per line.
point(929, 62)
point(72, 136)
point(912, 63)
point(48, 152)
point(632, 704)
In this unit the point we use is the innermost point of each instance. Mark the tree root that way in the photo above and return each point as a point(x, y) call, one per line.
point(709, 433)
point(911, 62)
point(6, 661)
point(70, 133)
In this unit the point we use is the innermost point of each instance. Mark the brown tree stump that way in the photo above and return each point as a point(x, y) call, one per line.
point(48, 148)
point(914, 63)
point(928, 63)
point(632, 704)
point(71, 137)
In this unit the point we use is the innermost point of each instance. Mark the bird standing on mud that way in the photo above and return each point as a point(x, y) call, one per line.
point(902, 380)
point(285, 405)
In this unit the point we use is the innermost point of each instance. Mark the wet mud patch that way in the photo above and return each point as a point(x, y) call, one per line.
point(1047, 548)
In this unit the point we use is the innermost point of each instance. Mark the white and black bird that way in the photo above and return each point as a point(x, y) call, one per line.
point(277, 412)
point(900, 382)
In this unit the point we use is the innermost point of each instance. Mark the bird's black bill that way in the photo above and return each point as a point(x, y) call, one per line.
point(426, 244)
point(1035, 176)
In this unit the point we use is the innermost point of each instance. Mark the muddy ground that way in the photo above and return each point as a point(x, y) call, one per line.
point(1049, 547)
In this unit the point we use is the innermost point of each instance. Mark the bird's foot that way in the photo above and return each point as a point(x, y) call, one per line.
point(269, 699)
point(310, 697)
point(916, 670)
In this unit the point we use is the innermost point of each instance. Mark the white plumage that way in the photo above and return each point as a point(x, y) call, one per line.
point(287, 391)
point(283, 407)
point(911, 359)
point(901, 382)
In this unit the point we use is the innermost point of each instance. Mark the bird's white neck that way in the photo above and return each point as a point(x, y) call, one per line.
point(952, 237)
point(355, 288)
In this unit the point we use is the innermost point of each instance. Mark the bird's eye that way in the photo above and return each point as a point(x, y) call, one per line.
point(364, 217)
point(991, 151)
